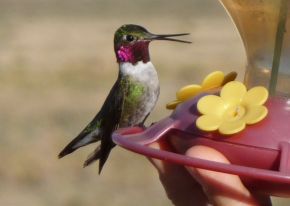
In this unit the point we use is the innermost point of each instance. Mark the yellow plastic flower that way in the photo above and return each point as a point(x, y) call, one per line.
point(235, 108)
point(213, 80)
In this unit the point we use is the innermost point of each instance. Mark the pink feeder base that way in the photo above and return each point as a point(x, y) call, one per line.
point(260, 154)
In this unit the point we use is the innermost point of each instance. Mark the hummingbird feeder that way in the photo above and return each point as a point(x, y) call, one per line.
point(255, 135)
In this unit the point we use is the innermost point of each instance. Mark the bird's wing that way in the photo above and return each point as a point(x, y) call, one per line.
point(111, 113)
point(105, 121)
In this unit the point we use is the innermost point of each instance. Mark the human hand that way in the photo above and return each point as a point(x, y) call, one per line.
point(187, 186)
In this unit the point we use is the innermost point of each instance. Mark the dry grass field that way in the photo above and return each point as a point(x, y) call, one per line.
point(57, 66)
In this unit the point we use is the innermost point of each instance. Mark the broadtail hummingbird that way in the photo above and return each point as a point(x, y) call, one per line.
point(132, 97)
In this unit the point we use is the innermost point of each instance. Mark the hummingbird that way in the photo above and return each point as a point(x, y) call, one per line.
point(132, 97)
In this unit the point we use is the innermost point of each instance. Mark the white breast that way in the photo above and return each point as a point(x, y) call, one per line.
point(142, 72)
point(146, 74)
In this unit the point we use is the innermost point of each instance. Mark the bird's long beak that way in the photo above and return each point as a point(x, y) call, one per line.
point(152, 37)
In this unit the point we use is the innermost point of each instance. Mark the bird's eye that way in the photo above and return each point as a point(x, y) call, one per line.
point(129, 38)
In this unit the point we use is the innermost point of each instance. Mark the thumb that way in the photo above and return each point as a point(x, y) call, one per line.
point(222, 189)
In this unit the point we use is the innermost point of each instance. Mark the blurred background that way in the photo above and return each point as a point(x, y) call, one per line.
point(56, 67)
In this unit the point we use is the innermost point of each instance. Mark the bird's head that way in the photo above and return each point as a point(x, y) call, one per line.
point(131, 43)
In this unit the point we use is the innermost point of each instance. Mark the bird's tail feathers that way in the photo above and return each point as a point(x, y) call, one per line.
point(101, 153)
point(95, 155)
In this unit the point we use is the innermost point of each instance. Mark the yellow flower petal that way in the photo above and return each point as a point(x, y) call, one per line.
point(173, 104)
point(213, 80)
point(255, 114)
point(211, 104)
point(233, 92)
point(256, 96)
point(230, 77)
point(188, 91)
point(208, 122)
point(235, 108)
point(231, 127)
